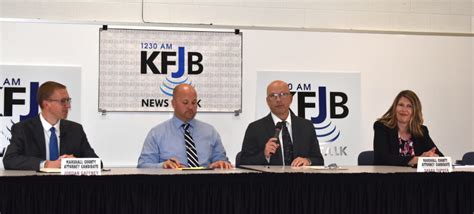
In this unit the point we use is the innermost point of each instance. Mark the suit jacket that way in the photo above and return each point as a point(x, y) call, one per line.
point(28, 148)
point(305, 143)
point(386, 149)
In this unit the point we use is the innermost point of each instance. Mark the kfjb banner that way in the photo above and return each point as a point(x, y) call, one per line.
point(140, 68)
point(331, 101)
point(18, 90)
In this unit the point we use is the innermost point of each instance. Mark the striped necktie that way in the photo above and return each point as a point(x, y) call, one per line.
point(191, 153)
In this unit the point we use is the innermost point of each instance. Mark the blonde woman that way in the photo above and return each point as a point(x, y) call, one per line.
point(400, 136)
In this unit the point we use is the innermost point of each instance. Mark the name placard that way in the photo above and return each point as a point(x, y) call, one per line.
point(80, 166)
point(434, 164)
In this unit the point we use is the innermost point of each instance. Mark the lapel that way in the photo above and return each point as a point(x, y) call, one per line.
point(63, 127)
point(417, 146)
point(269, 125)
point(296, 130)
point(270, 131)
point(394, 139)
point(38, 131)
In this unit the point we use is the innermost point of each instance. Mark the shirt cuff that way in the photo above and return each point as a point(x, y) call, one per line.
point(42, 163)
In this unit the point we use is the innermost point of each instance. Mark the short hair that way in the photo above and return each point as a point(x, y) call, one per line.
point(46, 90)
point(389, 119)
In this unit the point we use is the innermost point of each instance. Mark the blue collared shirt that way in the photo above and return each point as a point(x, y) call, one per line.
point(166, 140)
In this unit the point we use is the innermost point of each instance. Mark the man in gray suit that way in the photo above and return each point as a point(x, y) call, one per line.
point(42, 141)
point(281, 137)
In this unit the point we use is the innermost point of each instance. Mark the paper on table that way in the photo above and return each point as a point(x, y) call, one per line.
point(323, 168)
point(50, 170)
point(463, 166)
point(195, 168)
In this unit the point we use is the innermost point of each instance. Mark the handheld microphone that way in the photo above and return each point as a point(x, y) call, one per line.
point(278, 127)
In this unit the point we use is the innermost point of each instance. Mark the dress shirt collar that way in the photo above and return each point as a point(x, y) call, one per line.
point(178, 123)
point(47, 126)
point(276, 119)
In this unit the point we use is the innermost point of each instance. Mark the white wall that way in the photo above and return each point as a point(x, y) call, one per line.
point(393, 15)
point(438, 68)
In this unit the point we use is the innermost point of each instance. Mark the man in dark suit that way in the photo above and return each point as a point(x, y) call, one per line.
point(42, 141)
point(280, 138)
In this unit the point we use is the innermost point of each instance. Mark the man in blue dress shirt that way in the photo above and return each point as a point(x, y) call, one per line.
point(166, 147)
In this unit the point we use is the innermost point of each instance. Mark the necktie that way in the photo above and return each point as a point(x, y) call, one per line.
point(287, 145)
point(53, 145)
point(191, 153)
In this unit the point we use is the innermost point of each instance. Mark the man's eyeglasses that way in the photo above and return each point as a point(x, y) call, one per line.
point(62, 101)
point(274, 96)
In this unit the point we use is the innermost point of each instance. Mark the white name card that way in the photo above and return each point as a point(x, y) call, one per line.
point(434, 164)
point(80, 166)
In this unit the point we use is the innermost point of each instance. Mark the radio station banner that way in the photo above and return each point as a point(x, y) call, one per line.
point(18, 90)
point(330, 100)
point(140, 68)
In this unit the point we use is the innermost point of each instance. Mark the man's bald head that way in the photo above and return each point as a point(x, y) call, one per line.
point(184, 102)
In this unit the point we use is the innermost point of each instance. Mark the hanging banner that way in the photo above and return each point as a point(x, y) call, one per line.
point(140, 68)
point(330, 100)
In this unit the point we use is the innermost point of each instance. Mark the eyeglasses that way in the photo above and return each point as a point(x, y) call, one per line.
point(62, 101)
point(274, 96)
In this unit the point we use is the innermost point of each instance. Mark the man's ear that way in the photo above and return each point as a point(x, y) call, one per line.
point(43, 103)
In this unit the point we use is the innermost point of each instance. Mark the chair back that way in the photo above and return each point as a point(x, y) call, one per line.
point(237, 159)
point(366, 158)
point(468, 158)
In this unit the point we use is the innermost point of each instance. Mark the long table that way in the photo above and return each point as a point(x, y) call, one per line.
point(255, 189)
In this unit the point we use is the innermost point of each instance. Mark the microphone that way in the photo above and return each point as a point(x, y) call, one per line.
point(278, 127)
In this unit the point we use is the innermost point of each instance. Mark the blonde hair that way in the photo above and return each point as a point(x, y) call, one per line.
point(389, 119)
